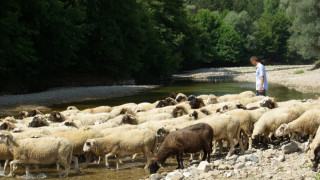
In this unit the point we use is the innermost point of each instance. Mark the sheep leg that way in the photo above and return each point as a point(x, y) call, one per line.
point(133, 157)
point(76, 164)
point(181, 161)
point(178, 160)
point(241, 145)
point(87, 156)
point(214, 147)
point(191, 157)
point(27, 167)
point(117, 161)
point(309, 142)
point(14, 162)
point(231, 144)
point(37, 168)
point(250, 143)
point(220, 146)
point(60, 169)
point(106, 158)
point(5, 164)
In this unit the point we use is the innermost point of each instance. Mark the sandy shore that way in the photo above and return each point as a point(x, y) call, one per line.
point(308, 81)
point(64, 95)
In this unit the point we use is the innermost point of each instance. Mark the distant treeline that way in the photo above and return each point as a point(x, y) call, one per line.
point(48, 43)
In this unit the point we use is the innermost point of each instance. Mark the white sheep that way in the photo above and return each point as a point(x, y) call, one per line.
point(99, 109)
point(307, 123)
point(271, 120)
point(232, 97)
point(119, 143)
point(46, 150)
point(225, 127)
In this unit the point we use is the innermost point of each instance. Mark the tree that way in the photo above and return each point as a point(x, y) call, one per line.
point(272, 36)
point(305, 29)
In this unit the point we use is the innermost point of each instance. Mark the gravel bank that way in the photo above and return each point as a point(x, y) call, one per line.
point(308, 81)
point(64, 95)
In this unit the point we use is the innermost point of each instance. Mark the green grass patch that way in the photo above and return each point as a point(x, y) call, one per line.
point(281, 169)
point(317, 176)
point(299, 72)
point(306, 166)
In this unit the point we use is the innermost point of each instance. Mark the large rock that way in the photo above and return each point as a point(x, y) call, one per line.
point(155, 176)
point(203, 167)
point(290, 148)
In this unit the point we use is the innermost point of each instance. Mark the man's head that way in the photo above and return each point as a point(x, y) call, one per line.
point(254, 60)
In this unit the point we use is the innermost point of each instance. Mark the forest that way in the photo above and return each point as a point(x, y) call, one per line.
point(52, 43)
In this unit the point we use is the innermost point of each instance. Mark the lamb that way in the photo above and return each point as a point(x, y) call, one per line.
point(307, 123)
point(118, 143)
point(191, 139)
point(271, 120)
point(225, 127)
point(314, 153)
point(46, 150)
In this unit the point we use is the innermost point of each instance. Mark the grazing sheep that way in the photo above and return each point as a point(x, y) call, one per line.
point(307, 123)
point(46, 150)
point(118, 143)
point(191, 139)
point(225, 127)
point(246, 125)
point(314, 153)
point(271, 120)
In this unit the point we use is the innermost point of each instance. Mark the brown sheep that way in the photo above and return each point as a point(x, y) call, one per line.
point(191, 139)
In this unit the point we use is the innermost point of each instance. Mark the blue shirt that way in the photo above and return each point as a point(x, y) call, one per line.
point(260, 71)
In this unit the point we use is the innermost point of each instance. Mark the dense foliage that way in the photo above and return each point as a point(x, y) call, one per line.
point(48, 43)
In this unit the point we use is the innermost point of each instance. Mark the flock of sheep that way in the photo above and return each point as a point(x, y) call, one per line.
point(173, 126)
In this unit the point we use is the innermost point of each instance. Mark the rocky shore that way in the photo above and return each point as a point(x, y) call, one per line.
point(288, 161)
point(286, 75)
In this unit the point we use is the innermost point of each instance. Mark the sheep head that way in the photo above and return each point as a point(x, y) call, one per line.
point(269, 103)
point(22, 114)
point(178, 111)
point(211, 100)
point(154, 165)
point(88, 145)
point(282, 130)
point(34, 112)
point(240, 106)
point(129, 119)
point(7, 126)
point(181, 99)
point(4, 136)
point(196, 103)
point(72, 108)
point(38, 121)
point(194, 114)
point(191, 97)
point(173, 95)
point(56, 117)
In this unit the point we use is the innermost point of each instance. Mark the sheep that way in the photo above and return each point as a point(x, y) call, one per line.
point(225, 127)
point(246, 124)
point(211, 99)
point(231, 97)
point(77, 139)
point(307, 123)
point(271, 120)
point(117, 121)
point(153, 117)
point(314, 154)
point(98, 109)
point(130, 142)
point(46, 150)
point(191, 139)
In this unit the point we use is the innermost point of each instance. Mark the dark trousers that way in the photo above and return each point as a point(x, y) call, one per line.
point(263, 93)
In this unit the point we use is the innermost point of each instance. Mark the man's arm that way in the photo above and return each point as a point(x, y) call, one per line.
point(261, 84)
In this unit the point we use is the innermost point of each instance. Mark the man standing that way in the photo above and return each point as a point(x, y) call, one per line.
point(261, 77)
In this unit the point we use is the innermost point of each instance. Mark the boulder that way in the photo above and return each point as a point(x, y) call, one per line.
point(290, 148)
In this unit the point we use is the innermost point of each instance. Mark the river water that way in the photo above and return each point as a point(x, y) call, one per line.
point(134, 170)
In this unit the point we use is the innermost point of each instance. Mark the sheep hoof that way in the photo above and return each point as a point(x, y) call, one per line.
point(314, 169)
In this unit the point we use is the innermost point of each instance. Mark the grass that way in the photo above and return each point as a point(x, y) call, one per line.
point(317, 176)
point(299, 72)
point(281, 169)
point(306, 166)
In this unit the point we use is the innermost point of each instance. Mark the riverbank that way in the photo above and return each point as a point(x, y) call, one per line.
point(285, 75)
point(41, 100)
